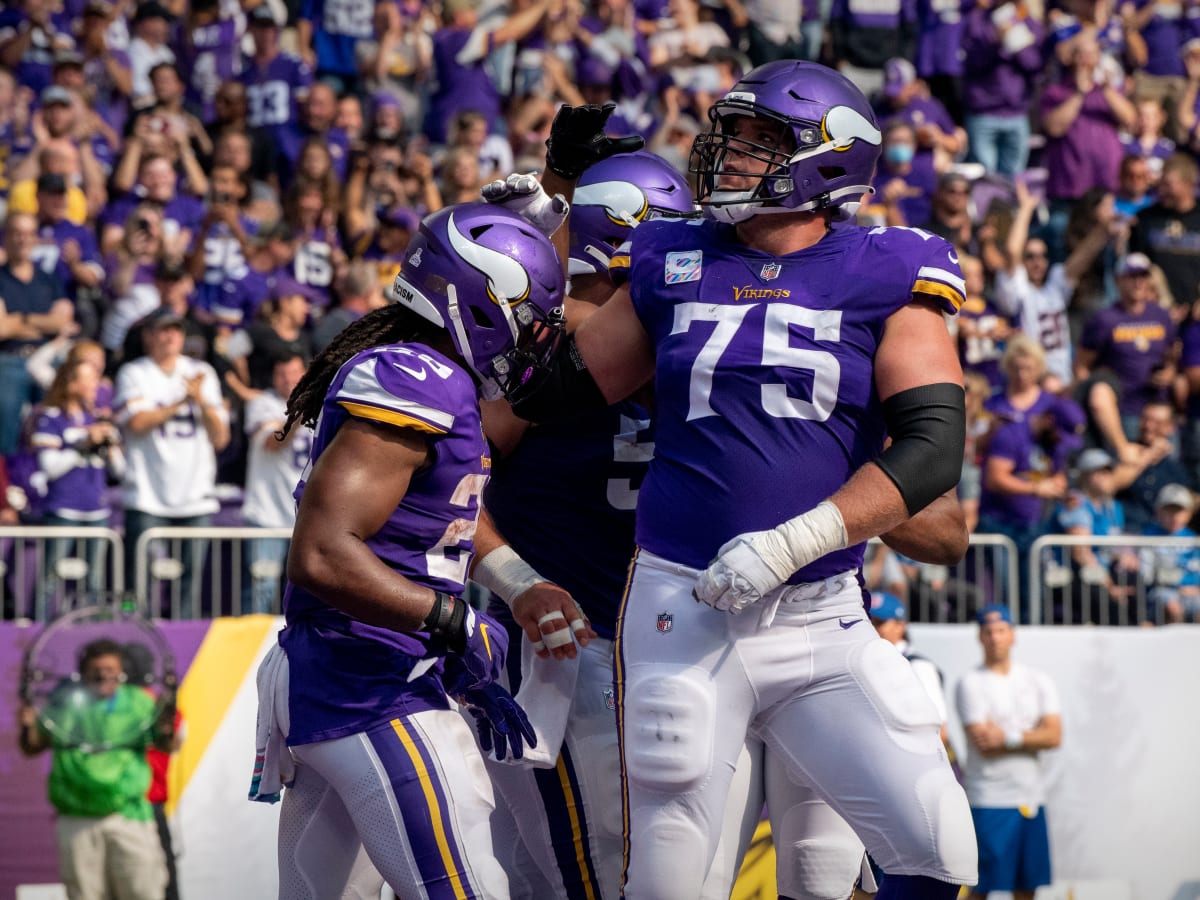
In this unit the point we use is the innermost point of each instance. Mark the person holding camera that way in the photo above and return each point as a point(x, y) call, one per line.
point(224, 240)
point(130, 289)
point(77, 452)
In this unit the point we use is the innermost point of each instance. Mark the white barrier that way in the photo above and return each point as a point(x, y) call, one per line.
point(43, 568)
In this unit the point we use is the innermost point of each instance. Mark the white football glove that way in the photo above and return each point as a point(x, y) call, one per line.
point(524, 195)
point(753, 564)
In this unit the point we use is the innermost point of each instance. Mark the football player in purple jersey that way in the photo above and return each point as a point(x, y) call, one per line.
point(378, 637)
point(775, 331)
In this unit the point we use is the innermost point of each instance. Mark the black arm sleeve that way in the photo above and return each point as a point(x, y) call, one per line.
point(928, 427)
point(564, 389)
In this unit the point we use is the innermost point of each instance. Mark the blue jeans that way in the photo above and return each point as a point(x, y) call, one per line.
point(137, 523)
point(1000, 143)
point(16, 389)
point(263, 578)
point(92, 551)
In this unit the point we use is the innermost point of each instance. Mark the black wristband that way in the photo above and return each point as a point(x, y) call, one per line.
point(446, 618)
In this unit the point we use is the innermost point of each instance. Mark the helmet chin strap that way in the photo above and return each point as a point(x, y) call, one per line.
point(488, 388)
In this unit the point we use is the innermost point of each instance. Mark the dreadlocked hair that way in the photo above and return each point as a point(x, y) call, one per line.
point(391, 324)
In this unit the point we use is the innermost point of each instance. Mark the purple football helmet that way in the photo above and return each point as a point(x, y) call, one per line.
point(825, 158)
point(495, 283)
point(616, 194)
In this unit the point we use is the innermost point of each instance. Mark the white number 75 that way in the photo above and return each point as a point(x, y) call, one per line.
point(826, 325)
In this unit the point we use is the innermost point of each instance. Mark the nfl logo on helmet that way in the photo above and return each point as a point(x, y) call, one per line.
point(770, 271)
point(665, 622)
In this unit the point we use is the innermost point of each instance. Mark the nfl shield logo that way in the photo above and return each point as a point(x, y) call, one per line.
point(665, 622)
point(610, 700)
point(770, 271)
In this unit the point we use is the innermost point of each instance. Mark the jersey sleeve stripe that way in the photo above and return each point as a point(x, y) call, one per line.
point(940, 291)
point(944, 275)
point(390, 417)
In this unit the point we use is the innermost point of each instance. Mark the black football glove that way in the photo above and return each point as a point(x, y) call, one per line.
point(500, 721)
point(577, 140)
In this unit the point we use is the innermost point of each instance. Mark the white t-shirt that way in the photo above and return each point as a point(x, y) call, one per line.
point(1041, 313)
point(271, 475)
point(171, 470)
point(1015, 702)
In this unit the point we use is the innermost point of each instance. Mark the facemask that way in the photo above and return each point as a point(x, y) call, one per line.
point(899, 154)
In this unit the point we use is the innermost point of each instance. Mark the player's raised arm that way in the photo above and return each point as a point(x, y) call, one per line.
point(355, 485)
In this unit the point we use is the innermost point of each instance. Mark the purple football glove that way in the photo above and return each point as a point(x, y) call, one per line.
point(476, 658)
point(500, 721)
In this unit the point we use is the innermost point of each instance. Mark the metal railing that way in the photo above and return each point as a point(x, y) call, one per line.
point(43, 568)
point(186, 573)
point(1139, 580)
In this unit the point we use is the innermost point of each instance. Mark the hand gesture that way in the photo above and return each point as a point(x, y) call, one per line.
point(502, 724)
point(193, 387)
point(550, 617)
point(523, 194)
point(70, 253)
point(577, 140)
point(479, 659)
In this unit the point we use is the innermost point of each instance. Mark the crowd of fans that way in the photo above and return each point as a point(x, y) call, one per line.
point(231, 184)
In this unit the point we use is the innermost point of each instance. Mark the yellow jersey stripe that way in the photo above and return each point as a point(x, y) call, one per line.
point(936, 289)
point(435, 809)
point(389, 417)
point(619, 682)
point(572, 802)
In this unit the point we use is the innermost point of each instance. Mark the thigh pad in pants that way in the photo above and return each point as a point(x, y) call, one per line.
point(669, 719)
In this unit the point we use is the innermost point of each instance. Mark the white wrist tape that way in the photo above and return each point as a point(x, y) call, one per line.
point(807, 537)
point(505, 574)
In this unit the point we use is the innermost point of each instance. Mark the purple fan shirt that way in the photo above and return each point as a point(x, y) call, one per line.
point(996, 81)
point(1189, 359)
point(1132, 345)
point(108, 102)
point(271, 90)
point(78, 492)
point(1002, 409)
point(289, 141)
point(210, 57)
point(1014, 442)
point(979, 353)
point(346, 675)
point(460, 87)
point(48, 252)
point(181, 213)
point(1089, 154)
point(239, 298)
point(223, 260)
point(939, 35)
point(766, 361)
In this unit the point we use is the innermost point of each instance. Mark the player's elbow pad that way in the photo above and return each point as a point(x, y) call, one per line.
point(563, 389)
point(928, 427)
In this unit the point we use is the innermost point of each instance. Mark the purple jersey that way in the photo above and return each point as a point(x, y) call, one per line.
point(597, 460)
point(765, 361)
point(271, 89)
point(210, 57)
point(48, 252)
point(289, 141)
point(346, 675)
point(981, 353)
point(313, 264)
point(108, 102)
point(238, 299)
point(76, 481)
point(460, 86)
point(940, 24)
point(223, 261)
point(1014, 442)
point(181, 213)
point(1133, 346)
point(1190, 359)
point(1002, 409)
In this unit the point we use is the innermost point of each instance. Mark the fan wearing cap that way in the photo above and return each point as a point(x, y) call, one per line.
point(906, 97)
point(1135, 338)
point(64, 248)
point(1173, 573)
point(275, 81)
point(1010, 713)
point(57, 156)
point(1105, 576)
point(171, 412)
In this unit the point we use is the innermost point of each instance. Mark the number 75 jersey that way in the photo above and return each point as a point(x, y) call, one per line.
point(765, 400)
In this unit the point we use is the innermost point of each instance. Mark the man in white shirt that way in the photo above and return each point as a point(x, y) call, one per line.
point(273, 468)
point(170, 409)
point(1010, 712)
